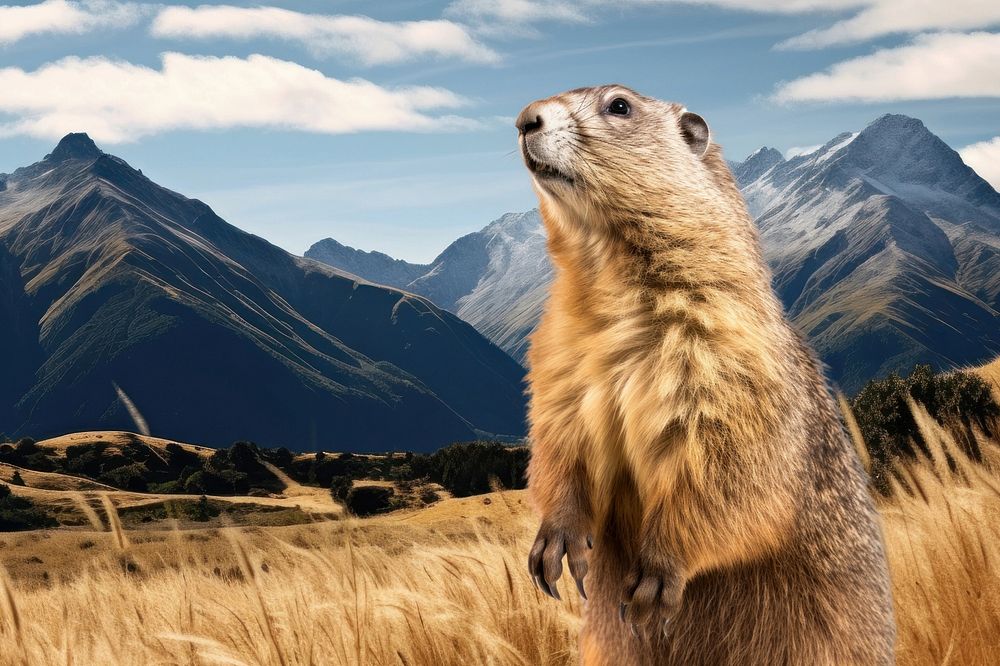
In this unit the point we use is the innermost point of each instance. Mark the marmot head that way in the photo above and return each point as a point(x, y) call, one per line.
point(609, 153)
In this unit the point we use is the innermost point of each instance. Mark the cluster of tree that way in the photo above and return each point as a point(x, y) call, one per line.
point(473, 468)
point(961, 401)
point(25, 453)
point(237, 470)
point(322, 469)
point(467, 468)
point(20, 513)
point(463, 469)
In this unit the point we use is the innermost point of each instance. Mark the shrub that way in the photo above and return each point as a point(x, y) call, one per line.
point(87, 459)
point(16, 480)
point(167, 488)
point(180, 458)
point(346, 464)
point(200, 482)
point(340, 487)
point(38, 461)
point(960, 400)
point(241, 469)
point(127, 477)
point(203, 511)
point(26, 446)
point(280, 457)
point(369, 500)
point(19, 513)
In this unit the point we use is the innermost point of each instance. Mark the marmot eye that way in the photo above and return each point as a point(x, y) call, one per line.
point(619, 107)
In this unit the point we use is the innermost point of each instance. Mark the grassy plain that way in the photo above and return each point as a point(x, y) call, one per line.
point(444, 585)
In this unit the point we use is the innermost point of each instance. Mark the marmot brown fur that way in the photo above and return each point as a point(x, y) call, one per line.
point(686, 449)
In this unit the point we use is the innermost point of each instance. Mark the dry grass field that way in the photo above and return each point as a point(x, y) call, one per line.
point(438, 586)
point(942, 527)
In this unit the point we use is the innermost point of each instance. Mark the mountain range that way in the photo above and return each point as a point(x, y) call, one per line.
point(885, 249)
point(496, 279)
point(119, 297)
point(884, 245)
point(111, 285)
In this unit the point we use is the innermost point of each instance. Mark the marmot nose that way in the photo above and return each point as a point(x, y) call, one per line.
point(529, 121)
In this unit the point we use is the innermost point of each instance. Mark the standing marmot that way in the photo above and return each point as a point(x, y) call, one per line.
point(676, 416)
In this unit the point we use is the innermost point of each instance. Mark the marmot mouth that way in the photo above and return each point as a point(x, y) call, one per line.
point(543, 170)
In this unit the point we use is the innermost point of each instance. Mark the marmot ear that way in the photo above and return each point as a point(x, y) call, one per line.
point(696, 134)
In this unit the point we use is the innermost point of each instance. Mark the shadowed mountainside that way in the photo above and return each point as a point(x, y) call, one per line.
point(496, 278)
point(18, 336)
point(216, 334)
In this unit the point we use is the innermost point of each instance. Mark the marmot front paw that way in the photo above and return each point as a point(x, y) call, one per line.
point(545, 560)
point(652, 597)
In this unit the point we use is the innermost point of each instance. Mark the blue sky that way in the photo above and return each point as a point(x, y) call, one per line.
point(387, 125)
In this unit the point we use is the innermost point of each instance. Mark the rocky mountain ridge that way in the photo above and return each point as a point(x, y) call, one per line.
point(217, 335)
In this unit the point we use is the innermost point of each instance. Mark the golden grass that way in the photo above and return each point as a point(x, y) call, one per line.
point(62, 494)
point(440, 586)
point(49, 480)
point(329, 593)
point(991, 373)
point(943, 534)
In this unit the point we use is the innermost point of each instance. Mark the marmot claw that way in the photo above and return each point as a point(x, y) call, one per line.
point(545, 560)
point(652, 597)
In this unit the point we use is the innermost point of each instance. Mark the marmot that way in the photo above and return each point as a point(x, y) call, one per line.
point(686, 449)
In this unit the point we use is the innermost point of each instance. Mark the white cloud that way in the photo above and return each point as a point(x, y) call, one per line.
point(525, 12)
point(872, 18)
point(984, 157)
point(64, 17)
point(518, 11)
point(369, 41)
point(796, 151)
point(934, 66)
point(766, 6)
point(885, 17)
point(119, 101)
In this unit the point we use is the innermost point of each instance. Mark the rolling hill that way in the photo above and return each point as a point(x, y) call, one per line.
point(215, 334)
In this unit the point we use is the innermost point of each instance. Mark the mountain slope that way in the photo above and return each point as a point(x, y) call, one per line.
point(217, 335)
point(373, 266)
point(757, 164)
point(884, 249)
point(496, 279)
point(18, 337)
